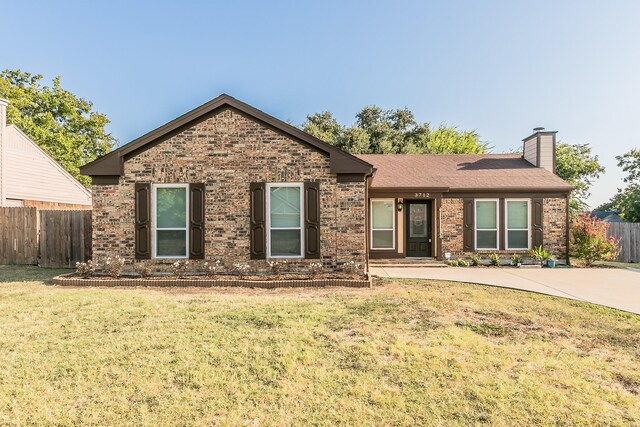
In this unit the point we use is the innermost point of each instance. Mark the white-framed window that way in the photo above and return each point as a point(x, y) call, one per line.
point(486, 224)
point(285, 213)
point(517, 220)
point(383, 224)
point(170, 220)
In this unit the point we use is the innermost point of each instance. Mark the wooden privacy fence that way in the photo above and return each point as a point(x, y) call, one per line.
point(18, 236)
point(65, 238)
point(57, 238)
point(629, 235)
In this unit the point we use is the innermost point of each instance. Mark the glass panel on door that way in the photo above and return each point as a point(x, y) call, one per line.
point(418, 220)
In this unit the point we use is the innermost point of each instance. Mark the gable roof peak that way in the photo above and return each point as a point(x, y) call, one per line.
point(112, 164)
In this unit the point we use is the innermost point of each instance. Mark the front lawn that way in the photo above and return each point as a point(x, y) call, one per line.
point(402, 353)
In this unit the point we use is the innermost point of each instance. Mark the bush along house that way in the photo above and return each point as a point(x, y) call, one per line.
point(227, 181)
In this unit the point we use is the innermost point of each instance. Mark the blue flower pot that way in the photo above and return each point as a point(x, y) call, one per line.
point(551, 264)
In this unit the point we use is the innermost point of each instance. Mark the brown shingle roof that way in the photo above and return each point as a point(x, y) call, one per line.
point(461, 172)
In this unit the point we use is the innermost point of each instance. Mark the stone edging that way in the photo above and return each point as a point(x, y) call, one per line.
point(67, 280)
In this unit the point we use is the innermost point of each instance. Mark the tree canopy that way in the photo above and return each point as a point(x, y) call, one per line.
point(627, 200)
point(378, 131)
point(61, 123)
point(579, 167)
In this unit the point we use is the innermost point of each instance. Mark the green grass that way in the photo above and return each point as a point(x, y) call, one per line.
point(401, 353)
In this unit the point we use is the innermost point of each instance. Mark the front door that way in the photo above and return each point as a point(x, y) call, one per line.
point(418, 228)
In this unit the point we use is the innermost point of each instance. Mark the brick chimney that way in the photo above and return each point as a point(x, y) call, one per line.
point(539, 149)
point(3, 125)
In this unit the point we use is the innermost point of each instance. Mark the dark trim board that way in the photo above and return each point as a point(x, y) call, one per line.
point(496, 195)
point(112, 164)
point(105, 180)
point(386, 254)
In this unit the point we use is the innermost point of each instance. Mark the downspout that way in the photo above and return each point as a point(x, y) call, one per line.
point(367, 180)
point(568, 229)
point(3, 125)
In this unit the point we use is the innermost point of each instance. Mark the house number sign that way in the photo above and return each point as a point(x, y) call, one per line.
point(421, 195)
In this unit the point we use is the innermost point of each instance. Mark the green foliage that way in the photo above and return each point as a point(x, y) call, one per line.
point(630, 163)
point(589, 240)
point(627, 200)
point(463, 263)
point(576, 165)
point(539, 254)
point(475, 260)
point(61, 123)
point(494, 259)
point(378, 131)
point(452, 263)
point(516, 259)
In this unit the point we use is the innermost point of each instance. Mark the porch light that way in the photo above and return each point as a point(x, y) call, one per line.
point(399, 206)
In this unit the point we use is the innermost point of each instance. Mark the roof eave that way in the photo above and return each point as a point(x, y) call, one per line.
point(112, 163)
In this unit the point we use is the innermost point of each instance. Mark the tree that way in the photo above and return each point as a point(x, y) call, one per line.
point(589, 241)
point(61, 123)
point(378, 131)
point(576, 165)
point(627, 200)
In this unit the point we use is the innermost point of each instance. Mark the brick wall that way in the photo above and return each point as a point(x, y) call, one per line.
point(451, 226)
point(227, 151)
point(554, 227)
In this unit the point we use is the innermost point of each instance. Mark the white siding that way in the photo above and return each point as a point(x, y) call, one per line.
point(30, 174)
point(11, 203)
point(530, 150)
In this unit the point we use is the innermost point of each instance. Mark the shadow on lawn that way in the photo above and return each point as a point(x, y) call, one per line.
point(28, 273)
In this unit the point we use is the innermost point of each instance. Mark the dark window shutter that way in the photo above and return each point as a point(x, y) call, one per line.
point(312, 220)
point(143, 220)
point(536, 222)
point(468, 228)
point(196, 221)
point(257, 215)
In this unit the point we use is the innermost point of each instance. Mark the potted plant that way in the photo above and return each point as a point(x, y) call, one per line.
point(516, 260)
point(539, 254)
point(551, 261)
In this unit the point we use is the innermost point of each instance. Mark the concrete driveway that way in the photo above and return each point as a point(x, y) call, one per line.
point(612, 287)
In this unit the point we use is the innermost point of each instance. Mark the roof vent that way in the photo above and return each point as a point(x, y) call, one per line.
point(538, 129)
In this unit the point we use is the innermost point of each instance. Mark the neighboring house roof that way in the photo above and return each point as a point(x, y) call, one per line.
point(29, 173)
point(483, 172)
point(607, 216)
point(112, 163)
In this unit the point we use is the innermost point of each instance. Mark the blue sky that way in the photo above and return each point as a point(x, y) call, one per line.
point(500, 67)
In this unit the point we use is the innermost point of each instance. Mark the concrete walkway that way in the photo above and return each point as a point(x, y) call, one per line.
point(611, 287)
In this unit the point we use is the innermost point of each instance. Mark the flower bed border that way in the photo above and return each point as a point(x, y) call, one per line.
point(70, 279)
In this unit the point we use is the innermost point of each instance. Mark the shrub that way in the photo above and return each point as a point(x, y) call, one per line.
point(463, 263)
point(589, 241)
point(475, 260)
point(144, 269)
point(210, 270)
point(351, 267)
point(452, 263)
point(539, 254)
point(113, 266)
point(516, 259)
point(277, 267)
point(494, 259)
point(241, 269)
point(315, 268)
point(180, 268)
point(85, 269)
